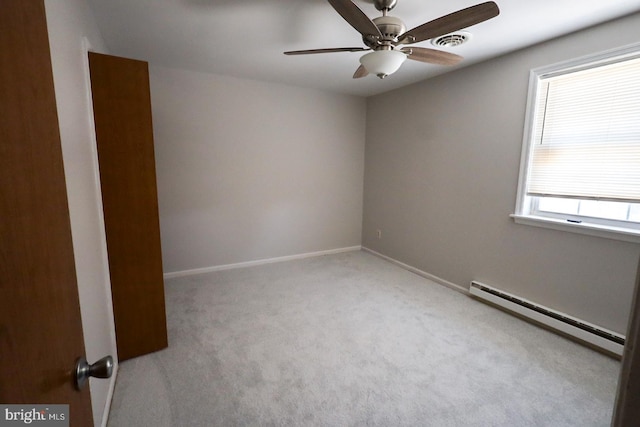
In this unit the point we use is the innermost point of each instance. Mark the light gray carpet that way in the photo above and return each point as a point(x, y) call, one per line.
point(352, 340)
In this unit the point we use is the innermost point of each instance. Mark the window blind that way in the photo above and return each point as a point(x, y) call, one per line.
point(586, 134)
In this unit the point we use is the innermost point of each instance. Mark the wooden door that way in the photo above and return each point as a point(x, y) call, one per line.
point(122, 110)
point(40, 326)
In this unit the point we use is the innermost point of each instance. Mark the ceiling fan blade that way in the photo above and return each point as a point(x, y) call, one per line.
point(337, 49)
point(449, 23)
point(431, 56)
point(360, 72)
point(356, 17)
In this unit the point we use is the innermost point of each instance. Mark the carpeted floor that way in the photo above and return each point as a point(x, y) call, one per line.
point(353, 340)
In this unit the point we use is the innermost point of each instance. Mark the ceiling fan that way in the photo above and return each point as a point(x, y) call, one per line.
point(385, 35)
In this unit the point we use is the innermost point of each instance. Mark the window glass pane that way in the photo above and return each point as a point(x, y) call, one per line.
point(553, 204)
point(634, 212)
point(600, 209)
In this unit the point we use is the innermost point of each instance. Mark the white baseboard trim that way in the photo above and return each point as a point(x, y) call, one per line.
point(419, 272)
point(112, 387)
point(183, 273)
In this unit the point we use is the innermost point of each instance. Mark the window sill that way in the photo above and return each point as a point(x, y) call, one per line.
point(590, 229)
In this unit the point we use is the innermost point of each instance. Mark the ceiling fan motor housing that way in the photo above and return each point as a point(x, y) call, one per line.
point(390, 27)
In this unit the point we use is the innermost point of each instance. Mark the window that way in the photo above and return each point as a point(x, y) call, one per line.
point(580, 168)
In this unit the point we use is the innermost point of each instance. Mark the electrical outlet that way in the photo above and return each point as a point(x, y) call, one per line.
point(379, 234)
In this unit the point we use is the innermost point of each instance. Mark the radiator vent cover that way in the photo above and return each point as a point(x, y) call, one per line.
point(584, 331)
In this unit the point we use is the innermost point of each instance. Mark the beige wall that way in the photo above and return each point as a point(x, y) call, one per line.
point(442, 161)
point(252, 170)
point(69, 21)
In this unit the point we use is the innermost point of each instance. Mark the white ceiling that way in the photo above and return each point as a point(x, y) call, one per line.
point(246, 38)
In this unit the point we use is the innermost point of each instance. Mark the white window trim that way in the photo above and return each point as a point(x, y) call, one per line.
point(522, 213)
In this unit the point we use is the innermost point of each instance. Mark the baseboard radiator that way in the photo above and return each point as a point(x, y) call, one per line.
point(579, 329)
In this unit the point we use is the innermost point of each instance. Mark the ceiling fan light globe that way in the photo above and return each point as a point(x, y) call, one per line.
point(383, 62)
